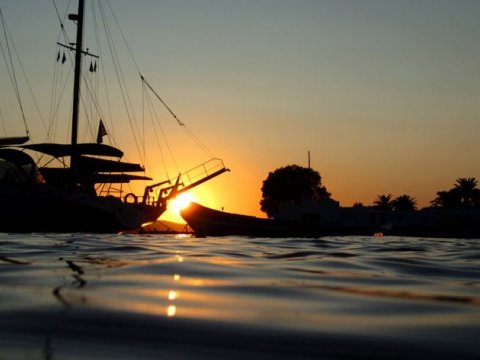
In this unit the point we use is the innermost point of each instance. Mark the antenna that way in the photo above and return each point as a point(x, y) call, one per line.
point(309, 159)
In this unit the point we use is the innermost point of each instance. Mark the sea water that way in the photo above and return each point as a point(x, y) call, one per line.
point(82, 296)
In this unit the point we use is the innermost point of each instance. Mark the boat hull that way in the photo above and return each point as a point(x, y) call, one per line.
point(209, 222)
point(40, 208)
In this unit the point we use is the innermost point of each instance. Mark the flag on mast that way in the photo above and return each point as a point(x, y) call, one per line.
point(101, 132)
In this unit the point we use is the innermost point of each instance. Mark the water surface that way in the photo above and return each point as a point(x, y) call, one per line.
point(72, 296)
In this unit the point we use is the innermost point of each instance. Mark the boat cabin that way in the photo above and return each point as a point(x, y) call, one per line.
point(17, 167)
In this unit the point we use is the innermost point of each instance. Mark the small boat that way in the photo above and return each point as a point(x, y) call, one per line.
point(84, 193)
point(209, 222)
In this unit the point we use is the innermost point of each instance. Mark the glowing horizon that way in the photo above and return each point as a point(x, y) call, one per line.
point(383, 94)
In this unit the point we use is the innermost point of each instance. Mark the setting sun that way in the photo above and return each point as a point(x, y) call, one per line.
point(181, 201)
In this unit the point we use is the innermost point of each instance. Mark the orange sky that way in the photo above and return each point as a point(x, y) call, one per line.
point(383, 94)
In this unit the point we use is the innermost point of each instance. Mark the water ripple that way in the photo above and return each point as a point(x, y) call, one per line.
point(417, 291)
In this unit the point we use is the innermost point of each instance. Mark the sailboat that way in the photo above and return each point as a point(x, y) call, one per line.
point(43, 198)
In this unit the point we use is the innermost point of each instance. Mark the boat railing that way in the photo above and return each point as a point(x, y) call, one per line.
point(191, 178)
point(202, 171)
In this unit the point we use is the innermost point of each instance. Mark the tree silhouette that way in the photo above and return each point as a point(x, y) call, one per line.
point(383, 202)
point(466, 188)
point(464, 194)
point(404, 203)
point(290, 184)
point(450, 199)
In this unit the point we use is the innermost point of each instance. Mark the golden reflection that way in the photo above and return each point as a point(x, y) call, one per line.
point(254, 310)
point(183, 236)
point(180, 258)
point(176, 277)
point(171, 310)
point(172, 295)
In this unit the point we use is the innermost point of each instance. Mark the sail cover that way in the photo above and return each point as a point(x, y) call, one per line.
point(59, 150)
point(90, 164)
point(117, 178)
point(63, 175)
point(13, 140)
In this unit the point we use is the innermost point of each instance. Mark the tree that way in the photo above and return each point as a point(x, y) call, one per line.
point(450, 199)
point(466, 188)
point(404, 203)
point(383, 202)
point(476, 198)
point(290, 184)
point(464, 194)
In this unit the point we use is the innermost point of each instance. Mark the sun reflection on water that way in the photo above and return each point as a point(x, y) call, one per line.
point(172, 295)
point(171, 310)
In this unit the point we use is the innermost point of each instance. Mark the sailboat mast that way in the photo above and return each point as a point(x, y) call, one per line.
point(76, 82)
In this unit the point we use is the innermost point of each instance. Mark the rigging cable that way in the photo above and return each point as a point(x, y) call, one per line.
point(143, 126)
point(122, 86)
point(3, 123)
point(22, 68)
point(111, 128)
point(54, 108)
point(11, 73)
point(153, 115)
point(99, 77)
point(136, 66)
point(123, 37)
point(182, 124)
point(179, 122)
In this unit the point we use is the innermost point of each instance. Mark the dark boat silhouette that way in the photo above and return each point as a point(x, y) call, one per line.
point(64, 199)
point(209, 222)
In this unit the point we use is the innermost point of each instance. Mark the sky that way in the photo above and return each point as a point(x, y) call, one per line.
point(384, 94)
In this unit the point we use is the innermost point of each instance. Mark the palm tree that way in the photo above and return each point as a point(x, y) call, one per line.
point(464, 194)
point(450, 199)
point(383, 202)
point(466, 188)
point(404, 203)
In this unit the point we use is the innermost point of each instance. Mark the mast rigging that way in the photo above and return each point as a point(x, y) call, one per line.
point(76, 82)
